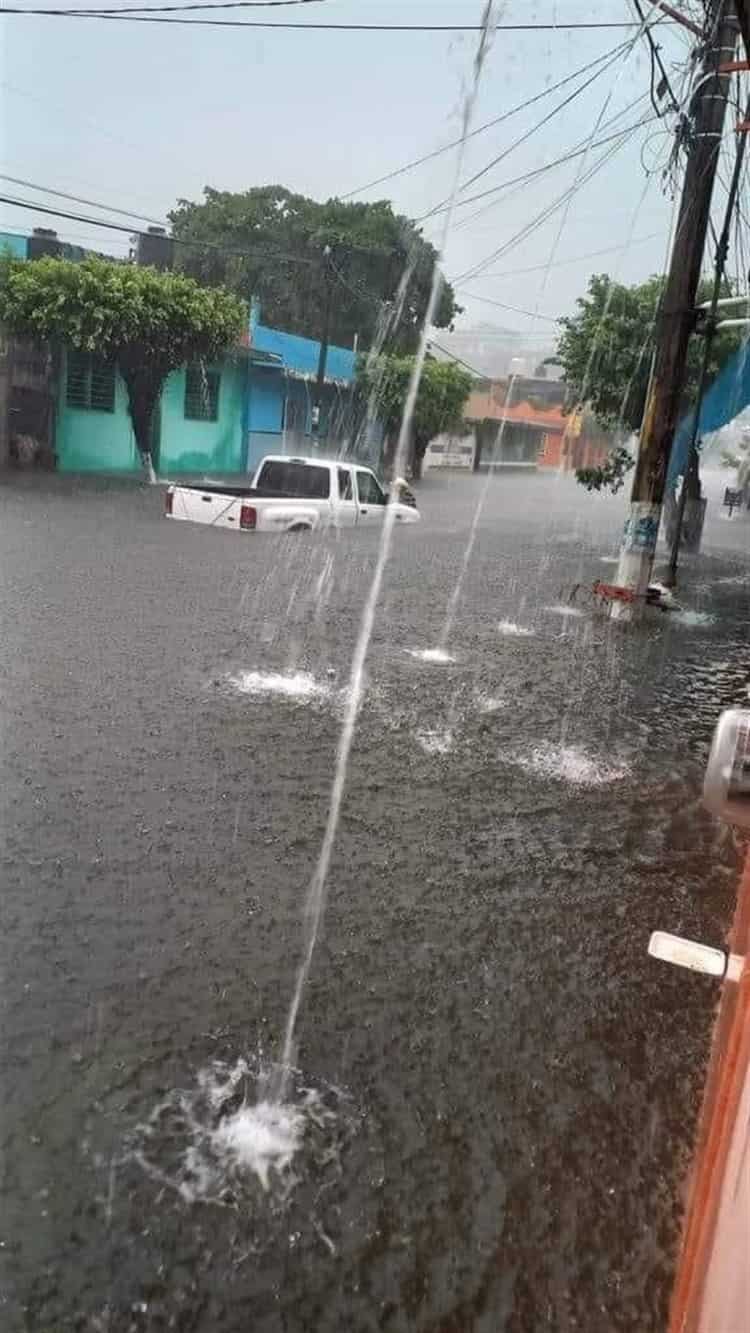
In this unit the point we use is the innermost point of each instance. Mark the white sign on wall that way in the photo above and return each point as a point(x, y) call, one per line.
point(451, 451)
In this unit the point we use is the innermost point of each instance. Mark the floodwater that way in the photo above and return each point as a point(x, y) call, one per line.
point(497, 1089)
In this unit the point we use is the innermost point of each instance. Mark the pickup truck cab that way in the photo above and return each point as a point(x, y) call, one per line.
point(293, 495)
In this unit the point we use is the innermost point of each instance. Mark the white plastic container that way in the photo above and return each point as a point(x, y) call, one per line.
point(726, 788)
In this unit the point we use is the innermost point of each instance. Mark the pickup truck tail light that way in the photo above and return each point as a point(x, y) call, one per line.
point(248, 516)
point(168, 497)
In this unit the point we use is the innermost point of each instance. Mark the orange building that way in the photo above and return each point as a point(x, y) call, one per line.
point(532, 429)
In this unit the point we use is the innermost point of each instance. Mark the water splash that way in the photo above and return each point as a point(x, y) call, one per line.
point(225, 1141)
point(299, 686)
point(438, 656)
point(262, 1138)
point(435, 741)
point(316, 891)
point(514, 630)
point(567, 763)
point(490, 703)
point(563, 609)
point(692, 619)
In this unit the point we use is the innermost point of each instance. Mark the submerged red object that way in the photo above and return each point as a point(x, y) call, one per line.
point(613, 592)
point(655, 595)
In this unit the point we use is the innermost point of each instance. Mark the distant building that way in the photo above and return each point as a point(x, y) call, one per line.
point(520, 422)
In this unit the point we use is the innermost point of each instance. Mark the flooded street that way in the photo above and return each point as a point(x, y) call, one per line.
point(500, 1089)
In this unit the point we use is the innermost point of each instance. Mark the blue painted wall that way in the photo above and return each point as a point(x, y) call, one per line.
point(266, 394)
point(301, 354)
point(279, 402)
point(13, 243)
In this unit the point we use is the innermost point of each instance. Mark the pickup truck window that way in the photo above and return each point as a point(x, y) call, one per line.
point(345, 484)
point(302, 480)
point(368, 490)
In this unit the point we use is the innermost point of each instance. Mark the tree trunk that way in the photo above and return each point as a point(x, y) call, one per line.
point(479, 441)
point(418, 451)
point(144, 385)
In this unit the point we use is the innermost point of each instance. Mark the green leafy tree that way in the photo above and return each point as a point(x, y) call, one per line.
point(271, 243)
point(443, 390)
point(605, 350)
point(149, 322)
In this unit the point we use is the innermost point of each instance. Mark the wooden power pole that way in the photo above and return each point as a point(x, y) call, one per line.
point(676, 315)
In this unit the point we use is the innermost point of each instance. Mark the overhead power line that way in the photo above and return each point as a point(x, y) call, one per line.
point(177, 9)
point(35, 207)
point(541, 217)
point(474, 370)
point(539, 171)
point(664, 86)
point(319, 27)
point(488, 124)
point(574, 259)
point(534, 128)
point(78, 199)
point(534, 314)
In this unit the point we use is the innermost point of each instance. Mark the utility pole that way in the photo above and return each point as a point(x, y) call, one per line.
point(722, 249)
point(676, 317)
point(324, 341)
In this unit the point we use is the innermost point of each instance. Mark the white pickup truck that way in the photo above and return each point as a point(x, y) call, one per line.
point(293, 495)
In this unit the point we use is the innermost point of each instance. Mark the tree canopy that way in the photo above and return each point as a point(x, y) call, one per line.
point(605, 350)
point(149, 322)
point(271, 243)
point(443, 390)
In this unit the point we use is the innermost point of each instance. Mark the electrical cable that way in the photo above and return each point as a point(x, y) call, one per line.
point(655, 60)
point(280, 256)
point(318, 27)
point(528, 133)
point(176, 9)
point(78, 199)
point(575, 259)
point(548, 166)
point(547, 212)
point(488, 125)
point(551, 319)
point(474, 370)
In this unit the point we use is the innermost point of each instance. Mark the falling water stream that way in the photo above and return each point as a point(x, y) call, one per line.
point(261, 1132)
point(316, 892)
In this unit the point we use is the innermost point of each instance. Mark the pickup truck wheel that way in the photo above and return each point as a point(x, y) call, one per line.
point(300, 527)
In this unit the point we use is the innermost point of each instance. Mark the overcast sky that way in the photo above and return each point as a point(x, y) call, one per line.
point(137, 115)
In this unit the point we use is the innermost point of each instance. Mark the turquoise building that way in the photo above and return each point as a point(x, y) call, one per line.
point(219, 418)
point(198, 428)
